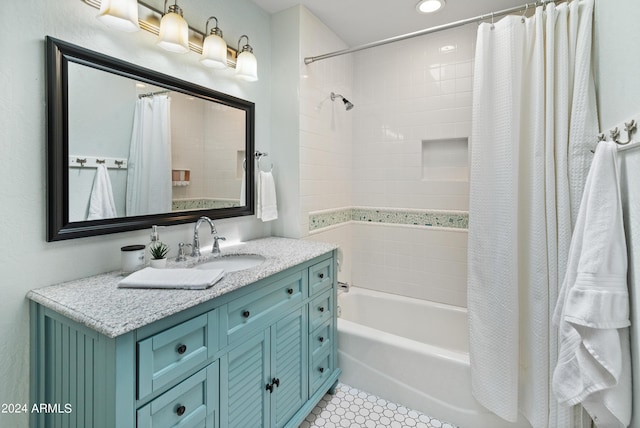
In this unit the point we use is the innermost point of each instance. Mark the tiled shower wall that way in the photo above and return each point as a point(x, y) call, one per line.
point(326, 149)
point(372, 156)
point(220, 139)
point(405, 93)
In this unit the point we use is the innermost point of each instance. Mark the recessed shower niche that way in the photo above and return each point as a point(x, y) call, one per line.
point(445, 159)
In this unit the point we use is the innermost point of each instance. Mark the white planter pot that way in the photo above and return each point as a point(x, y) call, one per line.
point(158, 263)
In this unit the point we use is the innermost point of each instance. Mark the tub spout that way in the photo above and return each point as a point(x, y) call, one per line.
point(343, 286)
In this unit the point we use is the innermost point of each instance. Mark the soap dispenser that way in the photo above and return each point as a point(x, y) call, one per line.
point(155, 240)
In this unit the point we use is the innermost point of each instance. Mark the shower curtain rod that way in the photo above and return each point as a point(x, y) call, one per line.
point(523, 8)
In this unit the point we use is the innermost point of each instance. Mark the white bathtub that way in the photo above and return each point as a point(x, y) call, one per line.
point(411, 352)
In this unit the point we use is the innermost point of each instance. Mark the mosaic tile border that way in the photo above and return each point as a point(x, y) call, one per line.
point(197, 204)
point(412, 217)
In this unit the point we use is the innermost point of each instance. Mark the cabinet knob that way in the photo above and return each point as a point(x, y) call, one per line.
point(276, 381)
point(246, 314)
point(321, 275)
point(321, 339)
point(181, 349)
point(321, 308)
point(290, 290)
point(180, 410)
point(321, 369)
point(269, 387)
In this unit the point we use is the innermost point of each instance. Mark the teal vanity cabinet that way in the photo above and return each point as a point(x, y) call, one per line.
point(259, 355)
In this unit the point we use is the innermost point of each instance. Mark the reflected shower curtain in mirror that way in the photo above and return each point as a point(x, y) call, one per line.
point(534, 121)
point(149, 165)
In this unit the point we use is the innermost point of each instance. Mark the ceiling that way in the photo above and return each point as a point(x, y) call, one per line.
point(358, 22)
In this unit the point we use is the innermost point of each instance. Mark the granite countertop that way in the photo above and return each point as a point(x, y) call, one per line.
point(98, 303)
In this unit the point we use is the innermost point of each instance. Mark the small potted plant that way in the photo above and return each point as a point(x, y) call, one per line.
point(158, 252)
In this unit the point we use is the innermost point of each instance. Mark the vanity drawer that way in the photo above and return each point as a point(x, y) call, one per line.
point(192, 403)
point(320, 310)
point(255, 310)
point(320, 277)
point(164, 357)
point(320, 370)
point(321, 339)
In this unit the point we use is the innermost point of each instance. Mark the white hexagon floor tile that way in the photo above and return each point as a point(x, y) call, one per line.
point(352, 408)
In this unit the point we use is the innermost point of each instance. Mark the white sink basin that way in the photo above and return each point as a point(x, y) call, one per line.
point(233, 262)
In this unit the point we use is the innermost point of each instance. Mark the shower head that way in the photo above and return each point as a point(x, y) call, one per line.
point(348, 105)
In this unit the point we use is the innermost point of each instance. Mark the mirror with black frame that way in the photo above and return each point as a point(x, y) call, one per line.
point(129, 147)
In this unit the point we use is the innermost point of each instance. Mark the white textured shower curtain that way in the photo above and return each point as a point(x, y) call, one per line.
point(534, 121)
point(149, 164)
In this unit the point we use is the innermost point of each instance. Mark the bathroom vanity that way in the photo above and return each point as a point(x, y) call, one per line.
point(257, 349)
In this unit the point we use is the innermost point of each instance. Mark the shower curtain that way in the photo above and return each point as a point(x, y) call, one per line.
point(149, 165)
point(534, 121)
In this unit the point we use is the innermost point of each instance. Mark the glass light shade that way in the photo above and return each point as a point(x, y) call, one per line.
point(174, 33)
point(214, 52)
point(247, 67)
point(120, 14)
point(430, 6)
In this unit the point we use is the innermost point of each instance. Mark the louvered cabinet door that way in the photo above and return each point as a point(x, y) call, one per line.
point(288, 366)
point(244, 375)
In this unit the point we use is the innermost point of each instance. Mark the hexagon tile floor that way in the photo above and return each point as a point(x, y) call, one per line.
point(352, 408)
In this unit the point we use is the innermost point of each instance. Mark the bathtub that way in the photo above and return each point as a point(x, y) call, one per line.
point(411, 352)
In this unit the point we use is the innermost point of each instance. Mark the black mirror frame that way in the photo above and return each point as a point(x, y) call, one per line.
point(58, 55)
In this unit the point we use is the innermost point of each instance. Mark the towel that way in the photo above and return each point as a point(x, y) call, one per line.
point(101, 204)
point(592, 312)
point(267, 208)
point(243, 188)
point(194, 279)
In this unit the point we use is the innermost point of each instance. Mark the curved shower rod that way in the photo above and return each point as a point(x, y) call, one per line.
point(308, 60)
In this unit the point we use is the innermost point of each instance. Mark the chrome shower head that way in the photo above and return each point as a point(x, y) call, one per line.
point(348, 105)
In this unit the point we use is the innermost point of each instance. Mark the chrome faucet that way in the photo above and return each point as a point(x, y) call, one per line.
point(216, 245)
point(195, 251)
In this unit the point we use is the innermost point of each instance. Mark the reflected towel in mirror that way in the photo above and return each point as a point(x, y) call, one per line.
point(101, 203)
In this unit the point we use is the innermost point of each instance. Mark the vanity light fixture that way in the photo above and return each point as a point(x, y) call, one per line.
point(174, 34)
point(120, 14)
point(174, 30)
point(246, 64)
point(214, 48)
point(430, 6)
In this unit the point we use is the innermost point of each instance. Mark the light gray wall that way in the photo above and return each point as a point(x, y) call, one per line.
point(616, 64)
point(27, 261)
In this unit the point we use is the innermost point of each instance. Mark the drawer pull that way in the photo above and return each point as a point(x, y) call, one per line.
point(321, 339)
point(180, 410)
point(246, 314)
point(321, 308)
point(181, 349)
point(290, 290)
point(321, 369)
point(321, 275)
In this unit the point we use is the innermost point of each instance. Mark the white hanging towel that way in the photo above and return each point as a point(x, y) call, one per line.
point(267, 208)
point(101, 203)
point(243, 188)
point(592, 312)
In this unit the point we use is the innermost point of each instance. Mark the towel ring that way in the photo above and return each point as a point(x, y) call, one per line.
point(259, 155)
point(260, 168)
